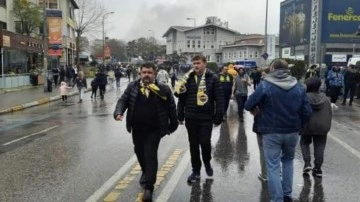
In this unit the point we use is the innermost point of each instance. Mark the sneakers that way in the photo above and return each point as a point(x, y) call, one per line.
point(288, 199)
point(147, 195)
point(193, 177)
point(209, 170)
point(307, 169)
point(262, 178)
point(142, 179)
point(317, 173)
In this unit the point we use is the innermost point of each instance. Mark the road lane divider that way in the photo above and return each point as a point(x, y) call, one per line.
point(164, 171)
point(171, 184)
point(31, 135)
point(345, 145)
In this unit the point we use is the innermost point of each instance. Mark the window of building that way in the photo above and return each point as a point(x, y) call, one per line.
point(199, 44)
point(204, 31)
point(230, 55)
point(52, 4)
point(234, 56)
point(208, 58)
point(193, 43)
point(212, 45)
point(207, 31)
point(245, 54)
point(256, 54)
point(212, 30)
point(188, 43)
point(240, 54)
point(250, 54)
point(3, 3)
point(218, 58)
point(3, 25)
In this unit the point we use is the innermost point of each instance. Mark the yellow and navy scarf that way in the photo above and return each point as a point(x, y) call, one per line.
point(153, 88)
point(225, 78)
point(202, 84)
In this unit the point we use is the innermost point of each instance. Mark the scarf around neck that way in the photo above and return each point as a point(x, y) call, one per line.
point(151, 87)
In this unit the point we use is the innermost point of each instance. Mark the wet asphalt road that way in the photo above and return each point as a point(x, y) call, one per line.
point(69, 151)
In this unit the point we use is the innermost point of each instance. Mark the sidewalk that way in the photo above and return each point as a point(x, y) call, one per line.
point(20, 99)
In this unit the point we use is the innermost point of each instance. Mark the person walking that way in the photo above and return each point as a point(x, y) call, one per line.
point(227, 83)
point(200, 104)
point(242, 81)
point(311, 72)
point(335, 78)
point(151, 114)
point(63, 91)
point(81, 85)
point(101, 80)
point(118, 75)
point(281, 108)
point(62, 73)
point(94, 88)
point(317, 129)
point(163, 76)
point(55, 72)
point(351, 79)
point(256, 77)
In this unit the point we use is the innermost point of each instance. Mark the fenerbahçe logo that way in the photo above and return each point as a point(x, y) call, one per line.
point(348, 16)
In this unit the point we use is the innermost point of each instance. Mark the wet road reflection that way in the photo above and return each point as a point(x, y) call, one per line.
point(224, 153)
point(242, 155)
point(203, 194)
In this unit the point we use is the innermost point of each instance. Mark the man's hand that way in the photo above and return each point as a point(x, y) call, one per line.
point(255, 111)
point(119, 117)
point(181, 122)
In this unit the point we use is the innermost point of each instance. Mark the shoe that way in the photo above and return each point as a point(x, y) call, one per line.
point(91, 97)
point(193, 177)
point(142, 179)
point(288, 199)
point(307, 169)
point(262, 178)
point(317, 173)
point(147, 195)
point(209, 170)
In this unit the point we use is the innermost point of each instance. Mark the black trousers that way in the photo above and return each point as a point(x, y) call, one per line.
point(227, 96)
point(102, 89)
point(199, 133)
point(319, 148)
point(240, 99)
point(352, 89)
point(146, 145)
point(256, 83)
point(93, 92)
point(56, 80)
point(334, 93)
point(64, 98)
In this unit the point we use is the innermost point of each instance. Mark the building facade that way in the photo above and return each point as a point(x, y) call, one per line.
point(320, 31)
point(206, 39)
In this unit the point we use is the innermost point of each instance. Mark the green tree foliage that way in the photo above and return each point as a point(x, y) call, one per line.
point(147, 48)
point(212, 66)
point(28, 14)
point(298, 68)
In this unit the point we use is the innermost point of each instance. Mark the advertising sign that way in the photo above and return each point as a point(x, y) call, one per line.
point(294, 22)
point(107, 51)
point(340, 21)
point(55, 30)
point(339, 58)
point(271, 49)
point(314, 31)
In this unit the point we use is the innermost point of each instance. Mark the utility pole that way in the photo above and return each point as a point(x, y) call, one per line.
point(266, 26)
point(103, 33)
point(46, 45)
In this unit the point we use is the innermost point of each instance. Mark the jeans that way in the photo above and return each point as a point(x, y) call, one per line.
point(280, 148)
point(241, 99)
point(146, 145)
point(81, 93)
point(319, 148)
point(334, 93)
point(262, 159)
point(199, 136)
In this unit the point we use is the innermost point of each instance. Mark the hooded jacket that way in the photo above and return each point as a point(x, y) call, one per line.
point(320, 121)
point(284, 106)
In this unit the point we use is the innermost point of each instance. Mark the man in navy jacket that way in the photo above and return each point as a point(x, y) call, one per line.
point(281, 108)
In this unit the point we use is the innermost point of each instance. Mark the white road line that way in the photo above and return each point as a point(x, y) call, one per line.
point(171, 184)
point(112, 181)
point(37, 133)
point(345, 145)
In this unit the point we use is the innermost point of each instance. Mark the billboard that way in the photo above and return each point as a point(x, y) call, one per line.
point(55, 30)
point(294, 22)
point(340, 21)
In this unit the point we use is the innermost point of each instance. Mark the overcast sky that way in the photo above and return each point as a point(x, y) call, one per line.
point(133, 18)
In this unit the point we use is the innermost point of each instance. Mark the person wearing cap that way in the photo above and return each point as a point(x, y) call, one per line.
point(281, 109)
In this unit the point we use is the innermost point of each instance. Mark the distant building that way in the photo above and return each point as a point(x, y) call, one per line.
point(251, 47)
point(206, 39)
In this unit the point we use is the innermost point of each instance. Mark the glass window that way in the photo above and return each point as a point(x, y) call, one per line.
point(3, 25)
point(199, 44)
point(3, 3)
point(193, 43)
point(53, 4)
point(188, 43)
point(212, 30)
point(256, 54)
point(207, 30)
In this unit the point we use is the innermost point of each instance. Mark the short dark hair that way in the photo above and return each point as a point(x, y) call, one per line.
point(313, 84)
point(148, 66)
point(279, 64)
point(199, 57)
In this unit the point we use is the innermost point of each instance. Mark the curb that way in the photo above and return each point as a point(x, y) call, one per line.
point(37, 103)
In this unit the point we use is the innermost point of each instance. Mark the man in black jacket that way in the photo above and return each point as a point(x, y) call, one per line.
point(151, 115)
point(351, 78)
point(256, 77)
point(201, 104)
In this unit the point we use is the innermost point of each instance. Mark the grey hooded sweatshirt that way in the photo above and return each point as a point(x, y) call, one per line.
point(281, 78)
point(320, 121)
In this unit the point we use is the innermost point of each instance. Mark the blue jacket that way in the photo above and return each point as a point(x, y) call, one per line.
point(284, 106)
point(335, 78)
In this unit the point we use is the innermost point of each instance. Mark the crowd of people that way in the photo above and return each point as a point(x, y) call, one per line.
point(283, 108)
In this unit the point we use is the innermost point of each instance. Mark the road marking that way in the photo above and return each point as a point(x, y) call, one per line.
point(37, 133)
point(165, 169)
point(112, 181)
point(345, 145)
point(171, 185)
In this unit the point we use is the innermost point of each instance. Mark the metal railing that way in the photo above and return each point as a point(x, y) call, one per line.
point(14, 80)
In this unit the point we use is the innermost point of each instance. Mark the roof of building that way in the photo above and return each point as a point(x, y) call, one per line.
point(75, 4)
point(250, 40)
point(186, 29)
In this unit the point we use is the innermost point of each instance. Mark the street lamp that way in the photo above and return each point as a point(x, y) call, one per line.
point(153, 35)
point(194, 19)
point(103, 34)
point(266, 26)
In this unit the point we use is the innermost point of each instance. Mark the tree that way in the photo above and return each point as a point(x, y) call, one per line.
point(88, 19)
point(29, 15)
